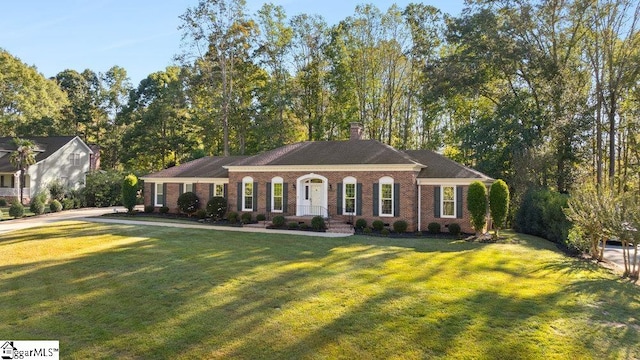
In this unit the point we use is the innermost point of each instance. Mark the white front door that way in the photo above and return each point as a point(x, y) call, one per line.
point(315, 198)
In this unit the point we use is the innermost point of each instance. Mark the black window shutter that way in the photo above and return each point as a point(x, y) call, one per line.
point(376, 197)
point(255, 196)
point(180, 188)
point(153, 194)
point(396, 199)
point(268, 196)
point(359, 199)
point(211, 190)
point(164, 194)
point(285, 197)
point(224, 190)
point(436, 202)
point(459, 202)
point(240, 195)
point(339, 197)
point(194, 188)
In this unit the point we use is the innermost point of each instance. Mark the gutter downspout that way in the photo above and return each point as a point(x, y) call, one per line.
point(419, 206)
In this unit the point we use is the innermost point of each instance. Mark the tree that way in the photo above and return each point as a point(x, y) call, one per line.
point(499, 203)
point(21, 158)
point(477, 205)
point(129, 192)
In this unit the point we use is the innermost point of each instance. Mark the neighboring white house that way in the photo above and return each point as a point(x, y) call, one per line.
point(66, 159)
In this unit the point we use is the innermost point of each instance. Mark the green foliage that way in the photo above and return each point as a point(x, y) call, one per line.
point(3, 202)
point(477, 205)
point(78, 196)
point(164, 210)
point(55, 206)
point(278, 221)
point(377, 225)
point(217, 207)
point(261, 217)
point(292, 225)
point(103, 188)
point(149, 209)
point(56, 190)
point(400, 226)
point(385, 232)
point(317, 223)
point(499, 203)
point(201, 214)
point(36, 206)
point(541, 213)
point(1, 215)
point(68, 204)
point(233, 217)
point(454, 229)
point(367, 230)
point(188, 203)
point(247, 218)
point(130, 192)
point(16, 209)
point(434, 228)
point(361, 224)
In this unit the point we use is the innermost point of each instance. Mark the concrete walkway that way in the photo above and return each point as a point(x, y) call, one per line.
point(93, 215)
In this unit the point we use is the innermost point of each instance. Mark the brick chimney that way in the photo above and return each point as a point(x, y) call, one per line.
point(94, 161)
point(356, 131)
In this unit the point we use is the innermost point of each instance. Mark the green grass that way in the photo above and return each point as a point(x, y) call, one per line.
point(114, 291)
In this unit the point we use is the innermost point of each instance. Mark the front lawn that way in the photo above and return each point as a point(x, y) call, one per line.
point(115, 291)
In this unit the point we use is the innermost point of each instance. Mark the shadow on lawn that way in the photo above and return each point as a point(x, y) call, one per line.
point(193, 293)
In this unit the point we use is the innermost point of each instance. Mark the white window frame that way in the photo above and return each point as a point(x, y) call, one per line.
point(246, 181)
point(277, 181)
point(155, 196)
point(387, 180)
point(349, 181)
point(74, 159)
point(184, 187)
point(217, 187)
point(442, 201)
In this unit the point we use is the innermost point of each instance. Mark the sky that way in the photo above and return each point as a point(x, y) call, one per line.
point(140, 36)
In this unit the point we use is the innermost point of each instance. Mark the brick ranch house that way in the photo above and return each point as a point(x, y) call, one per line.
point(339, 180)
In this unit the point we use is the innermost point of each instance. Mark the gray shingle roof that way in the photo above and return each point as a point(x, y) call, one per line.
point(208, 166)
point(46, 145)
point(440, 167)
point(350, 152)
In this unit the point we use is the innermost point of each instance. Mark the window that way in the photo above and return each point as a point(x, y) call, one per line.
point(74, 159)
point(159, 195)
point(277, 194)
point(386, 196)
point(448, 202)
point(247, 196)
point(188, 188)
point(349, 196)
point(218, 190)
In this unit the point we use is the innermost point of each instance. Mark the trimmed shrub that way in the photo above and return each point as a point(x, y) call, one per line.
point(56, 190)
point(78, 198)
point(201, 214)
point(149, 209)
point(188, 203)
point(247, 218)
point(434, 228)
point(385, 232)
point(477, 205)
point(55, 206)
point(278, 221)
point(16, 209)
point(378, 225)
point(233, 217)
point(36, 206)
point(164, 210)
point(3, 202)
point(499, 203)
point(261, 217)
point(68, 204)
point(367, 230)
point(130, 192)
point(217, 207)
point(454, 229)
point(304, 226)
point(400, 226)
point(541, 213)
point(103, 188)
point(361, 224)
point(317, 223)
point(292, 225)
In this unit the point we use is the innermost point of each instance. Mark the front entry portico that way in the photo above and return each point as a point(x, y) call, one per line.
point(311, 195)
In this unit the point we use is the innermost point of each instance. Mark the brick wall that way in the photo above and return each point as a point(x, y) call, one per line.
point(428, 216)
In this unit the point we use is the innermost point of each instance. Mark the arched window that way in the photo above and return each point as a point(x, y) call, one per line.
point(247, 194)
point(277, 194)
point(349, 203)
point(386, 196)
